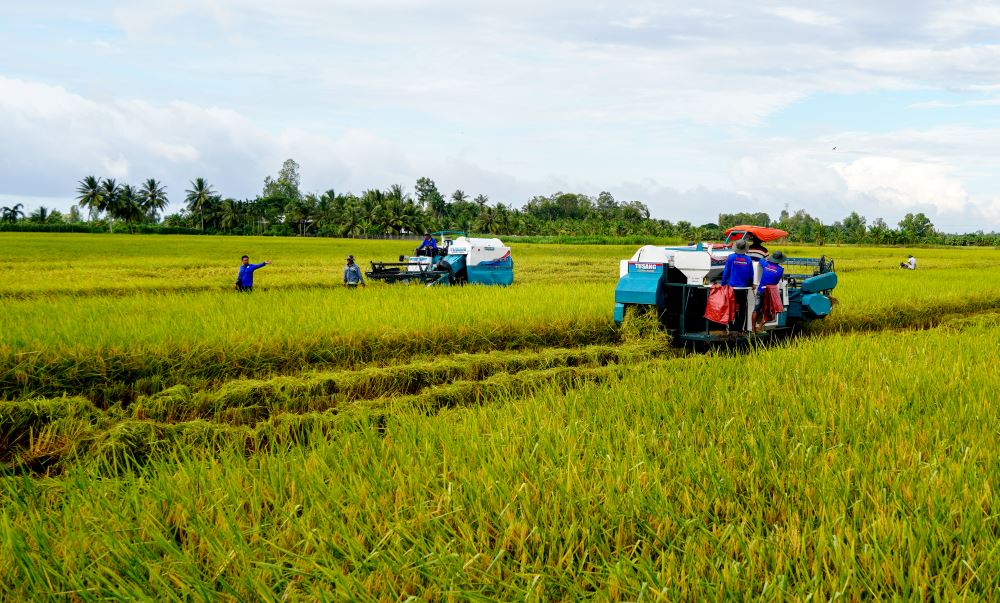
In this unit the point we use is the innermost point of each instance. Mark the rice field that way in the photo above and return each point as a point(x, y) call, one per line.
point(163, 437)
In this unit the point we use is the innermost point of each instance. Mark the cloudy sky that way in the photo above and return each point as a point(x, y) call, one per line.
point(882, 107)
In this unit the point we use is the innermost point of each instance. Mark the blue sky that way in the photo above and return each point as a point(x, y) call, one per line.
point(722, 107)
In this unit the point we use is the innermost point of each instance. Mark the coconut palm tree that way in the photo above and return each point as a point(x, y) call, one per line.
point(398, 212)
point(40, 215)
point(199, 196)
point(488, 219)
point(91, 195)
point(110, 191)
point(127, 205)
point(12, 214)
point(230, 213)
point(154, 198)
point(352, 217)
point(371, 203)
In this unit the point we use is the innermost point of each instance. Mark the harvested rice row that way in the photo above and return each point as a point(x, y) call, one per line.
point(251, 401)
point(120, 376)
point(43, 435)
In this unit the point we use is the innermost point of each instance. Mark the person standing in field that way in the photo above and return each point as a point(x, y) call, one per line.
point(770, 275)
point(244, 280)
point(352, 274)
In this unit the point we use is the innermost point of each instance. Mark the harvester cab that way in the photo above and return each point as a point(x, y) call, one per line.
point(457, 260)
point(675, 282)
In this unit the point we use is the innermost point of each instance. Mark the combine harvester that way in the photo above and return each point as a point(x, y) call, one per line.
point(458, 260)
point(676, 281)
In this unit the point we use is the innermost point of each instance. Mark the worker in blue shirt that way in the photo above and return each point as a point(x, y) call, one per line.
point(244, 280)
point(739, 266)
point(739, 273)
point(352, 274)
point(770, 274)
point(428, 247)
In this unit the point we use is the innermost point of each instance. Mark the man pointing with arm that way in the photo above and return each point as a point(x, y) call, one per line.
point(244, 280)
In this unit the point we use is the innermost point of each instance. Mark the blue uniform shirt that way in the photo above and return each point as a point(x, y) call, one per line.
point(738, 271)
point(245, 278)
point(431, 242)
point(352, 275)
point(770, 274)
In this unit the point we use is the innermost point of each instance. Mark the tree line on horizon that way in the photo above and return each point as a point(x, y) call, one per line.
point(281, 209)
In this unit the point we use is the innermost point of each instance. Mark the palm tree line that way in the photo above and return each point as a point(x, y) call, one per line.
point(282, 210)
point(124, 202)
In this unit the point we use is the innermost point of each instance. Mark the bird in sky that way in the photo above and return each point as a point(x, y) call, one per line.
point(834, 149)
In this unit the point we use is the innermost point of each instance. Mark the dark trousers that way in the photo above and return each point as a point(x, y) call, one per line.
point(243, 289)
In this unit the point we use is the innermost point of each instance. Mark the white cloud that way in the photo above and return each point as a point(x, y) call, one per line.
point(904, 184)
point(923, 64)
point(979, 102)
point(803, 15)
point(653, 100)
point(959, 18)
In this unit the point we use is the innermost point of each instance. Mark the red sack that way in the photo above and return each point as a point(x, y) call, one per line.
point(770, 303)
point(721, 306)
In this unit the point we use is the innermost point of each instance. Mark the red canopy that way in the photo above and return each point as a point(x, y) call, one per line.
point(761, 232)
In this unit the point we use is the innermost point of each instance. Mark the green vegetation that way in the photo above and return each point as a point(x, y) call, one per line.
point(164, 437)
point(282, 209)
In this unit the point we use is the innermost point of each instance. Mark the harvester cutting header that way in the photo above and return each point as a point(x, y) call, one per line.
point(678, 281)
point(458, 260)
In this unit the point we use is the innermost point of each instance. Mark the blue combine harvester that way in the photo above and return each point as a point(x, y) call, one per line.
point(675, 282)
point(457, 261)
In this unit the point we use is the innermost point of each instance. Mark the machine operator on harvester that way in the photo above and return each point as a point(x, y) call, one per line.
point(739, 267)
point(738, 274)
point(768, 298)
point(428, 247)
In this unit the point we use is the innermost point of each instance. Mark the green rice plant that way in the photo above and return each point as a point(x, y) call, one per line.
point(855, 465)
point(428, 384)
point(153, 345)
point(45, 265)
point(310, 443)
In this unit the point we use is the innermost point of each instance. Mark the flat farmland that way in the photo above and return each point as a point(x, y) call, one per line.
point(162, 436)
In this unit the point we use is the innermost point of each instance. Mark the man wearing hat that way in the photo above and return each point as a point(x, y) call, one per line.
point(738, 273)
point(352, 274)
point(770, 275)
point(739, 266)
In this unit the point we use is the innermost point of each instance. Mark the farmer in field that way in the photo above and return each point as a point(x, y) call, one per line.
point(909, 264)
point(739, 267)
point(352, 274)
point(738, 273)
point(244, 280)
point(428, 247)
point(770, 275)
